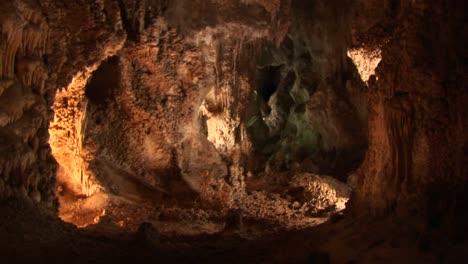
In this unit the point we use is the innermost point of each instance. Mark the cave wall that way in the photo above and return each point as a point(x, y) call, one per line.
point(75, 57)
point(416, 164)
point(67, 41)
point(187, 105)
point(149, 128)
point(318, 112)
point(44, 45)
point(183, 55)
point(26, 169)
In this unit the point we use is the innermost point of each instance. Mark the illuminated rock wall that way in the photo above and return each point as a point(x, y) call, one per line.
point(188, 109)
point(42, 47)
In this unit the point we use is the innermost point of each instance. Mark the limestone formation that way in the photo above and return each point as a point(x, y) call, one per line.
point(263, 117)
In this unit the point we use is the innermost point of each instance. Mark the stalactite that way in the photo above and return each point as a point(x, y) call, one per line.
point(366, 61)
point(79, 136)
point(28, 12)
point(14, 36)
point(13, 103)
point(4, 85)
point(24, 30)
point(26, 128)
point(34, 39)
point(32, 73)
point(15, 155)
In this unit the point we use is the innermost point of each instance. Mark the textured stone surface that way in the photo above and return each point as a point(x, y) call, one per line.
point(43, 46)
point(27, 169)
point(186, 103)
point(416, 163)
point(320, 193)
point(200, 100)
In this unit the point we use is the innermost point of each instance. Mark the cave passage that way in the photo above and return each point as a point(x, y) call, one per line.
point(253, 131)
point(266, 142)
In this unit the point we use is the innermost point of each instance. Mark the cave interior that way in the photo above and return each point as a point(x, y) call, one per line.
point(233, 131)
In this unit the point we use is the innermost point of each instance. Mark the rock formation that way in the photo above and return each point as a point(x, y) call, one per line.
point(161, 111)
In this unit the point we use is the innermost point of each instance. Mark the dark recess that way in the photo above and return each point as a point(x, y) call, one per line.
point(104, 80)
point(269, 79)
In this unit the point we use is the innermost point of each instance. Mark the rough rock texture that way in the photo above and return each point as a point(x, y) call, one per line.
point(185, 101)
point(322, 193)
point(105, 34)
point(217, 104)
point(316, 112)
point(193, 100)
point(164, 77)
point(27, 169)
point(44, 45)
point(416, 163)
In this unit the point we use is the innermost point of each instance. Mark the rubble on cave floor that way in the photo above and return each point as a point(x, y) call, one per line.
point(343, 241)
point(268, 206)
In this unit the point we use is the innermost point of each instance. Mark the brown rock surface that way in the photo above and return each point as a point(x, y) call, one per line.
point(248, 115)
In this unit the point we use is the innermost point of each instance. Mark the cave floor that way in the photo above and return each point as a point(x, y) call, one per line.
point(272, 229)
point(263, 215)
point(33, 236)
point(267, 208)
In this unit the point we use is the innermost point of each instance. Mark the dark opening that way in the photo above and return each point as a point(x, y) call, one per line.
point(268, 80)
point(104, 80)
